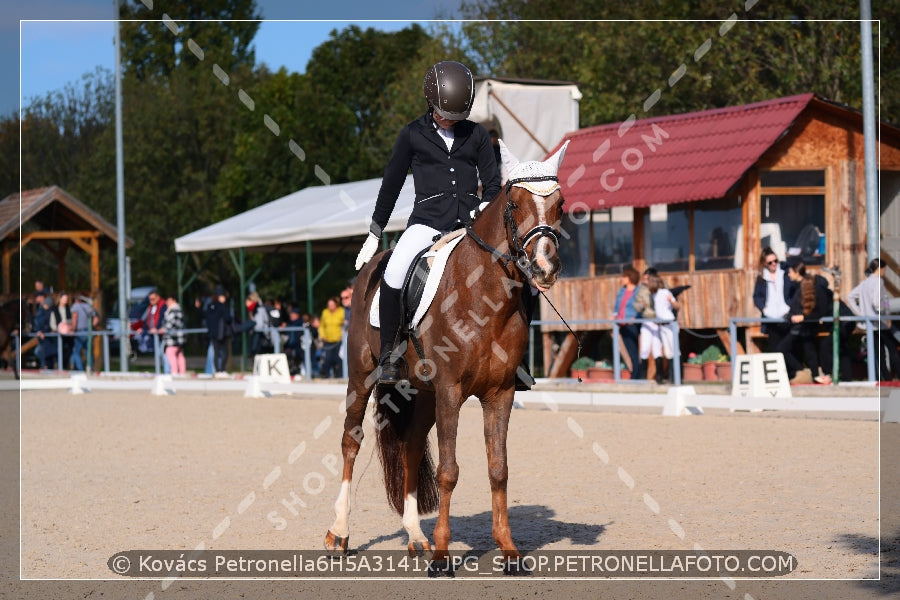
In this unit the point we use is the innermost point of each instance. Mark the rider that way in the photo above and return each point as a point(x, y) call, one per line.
point(448, 154)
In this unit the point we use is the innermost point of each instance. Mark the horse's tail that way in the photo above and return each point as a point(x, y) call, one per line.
point(393, 416)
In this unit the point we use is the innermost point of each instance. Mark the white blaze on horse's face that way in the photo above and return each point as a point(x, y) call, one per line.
point(539, 178)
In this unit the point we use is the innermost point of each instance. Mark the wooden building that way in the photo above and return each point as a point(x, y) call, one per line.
point(56, 220)
point(699, 195)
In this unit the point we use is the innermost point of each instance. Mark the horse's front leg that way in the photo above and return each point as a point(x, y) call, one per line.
point(496, 425)
point(447, 405)
point(338, 535)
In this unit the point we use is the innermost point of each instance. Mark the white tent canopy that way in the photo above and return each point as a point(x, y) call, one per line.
point(313, 213)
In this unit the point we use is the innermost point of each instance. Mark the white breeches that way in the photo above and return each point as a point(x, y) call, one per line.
point(657, 339)
point(415, 239)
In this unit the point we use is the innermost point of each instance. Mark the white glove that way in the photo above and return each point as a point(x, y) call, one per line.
point(480, 208)
point(367, 251)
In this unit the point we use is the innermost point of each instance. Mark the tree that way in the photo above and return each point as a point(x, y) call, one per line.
point(222, 29)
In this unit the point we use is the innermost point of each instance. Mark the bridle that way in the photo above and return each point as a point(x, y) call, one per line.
point(518, 254)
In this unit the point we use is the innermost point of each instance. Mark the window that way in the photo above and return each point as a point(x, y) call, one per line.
point(793, 207)
point(575, 244)
point(613, 240)
point(667, 237)
point(716, 225)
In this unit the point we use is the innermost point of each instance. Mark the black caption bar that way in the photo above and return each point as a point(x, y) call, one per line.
point(387, 564)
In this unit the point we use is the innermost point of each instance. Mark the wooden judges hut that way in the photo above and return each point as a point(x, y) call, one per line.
point(698, 196)
point(58, 222)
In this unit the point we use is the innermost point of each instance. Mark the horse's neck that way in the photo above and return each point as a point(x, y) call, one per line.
point(491, 227)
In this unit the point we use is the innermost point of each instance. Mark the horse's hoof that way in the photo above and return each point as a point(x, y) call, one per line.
point(419, 548)
point(335, 543)
point(513, 564)
point(440, 565)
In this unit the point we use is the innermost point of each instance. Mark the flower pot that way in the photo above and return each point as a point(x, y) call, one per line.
point(692, 372)
point(600, 373)
point(578, 373)
point(709, 371)
point(723, 371)
point(625, 374)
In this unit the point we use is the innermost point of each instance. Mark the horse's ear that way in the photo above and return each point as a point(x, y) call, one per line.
point(556, 159)
point(507, 159)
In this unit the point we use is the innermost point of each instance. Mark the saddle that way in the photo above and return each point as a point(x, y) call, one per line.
point(422, 279)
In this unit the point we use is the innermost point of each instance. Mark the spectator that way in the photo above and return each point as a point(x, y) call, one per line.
point(46, 350)
point(870, 298)
point(331, 331)
point(203, 304)
point(772, 294)
point(258, 322)
point(173, 336)
point(293, 347)
point(346, 302)
point(84, 317)
point(643, 306)
point(811, 301)
point(61, 323)
point(219, 325)
point(624, 311)
point(663, 341)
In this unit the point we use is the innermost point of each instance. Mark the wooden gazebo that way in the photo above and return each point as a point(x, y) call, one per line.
point(57, 220)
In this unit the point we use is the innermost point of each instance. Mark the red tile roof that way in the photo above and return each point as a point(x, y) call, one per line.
point(676, 158)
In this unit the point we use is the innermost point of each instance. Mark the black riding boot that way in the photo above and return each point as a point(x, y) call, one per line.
point(389, 309)
point(642, 370)
point(660, 376)
point(524, 379)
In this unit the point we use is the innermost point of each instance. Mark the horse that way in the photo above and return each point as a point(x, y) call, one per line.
point(469, 343)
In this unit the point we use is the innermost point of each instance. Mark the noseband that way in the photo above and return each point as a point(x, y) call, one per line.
point(519, 254)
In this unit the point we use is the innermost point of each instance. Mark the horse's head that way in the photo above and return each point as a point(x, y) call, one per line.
point(534, 213)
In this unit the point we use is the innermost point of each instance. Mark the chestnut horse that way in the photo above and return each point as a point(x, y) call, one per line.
point(470, 343)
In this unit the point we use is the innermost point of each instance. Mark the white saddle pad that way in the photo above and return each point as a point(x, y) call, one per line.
point(438, 259)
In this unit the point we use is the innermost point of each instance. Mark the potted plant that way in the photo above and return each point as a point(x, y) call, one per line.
point(709, 358)
point(579, 368)
point(601, 371)
point(723, 368)
point(692, 369)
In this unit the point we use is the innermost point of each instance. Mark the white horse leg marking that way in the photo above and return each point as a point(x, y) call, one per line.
point(411, 518)
point(341, 525)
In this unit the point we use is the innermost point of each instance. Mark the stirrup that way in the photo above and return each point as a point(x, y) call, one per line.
point(524, 379)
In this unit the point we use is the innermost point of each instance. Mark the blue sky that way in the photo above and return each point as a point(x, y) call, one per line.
point(61, 40)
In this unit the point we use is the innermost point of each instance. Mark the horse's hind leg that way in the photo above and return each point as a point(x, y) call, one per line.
point(358, 390)
point(414, 453)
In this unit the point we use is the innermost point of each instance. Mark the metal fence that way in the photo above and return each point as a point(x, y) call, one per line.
point(306, 342)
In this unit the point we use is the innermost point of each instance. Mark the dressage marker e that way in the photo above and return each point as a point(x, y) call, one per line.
point(470, 343)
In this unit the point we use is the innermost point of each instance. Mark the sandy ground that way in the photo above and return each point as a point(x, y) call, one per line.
point(111, 471)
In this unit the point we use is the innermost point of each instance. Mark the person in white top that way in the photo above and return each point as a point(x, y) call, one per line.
point(870, 298)
point(661, 338)
point(772, 294)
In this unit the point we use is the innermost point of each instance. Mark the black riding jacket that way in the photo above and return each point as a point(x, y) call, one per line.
point(446, 182)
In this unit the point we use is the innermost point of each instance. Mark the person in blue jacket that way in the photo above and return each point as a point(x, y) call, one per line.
point(448, 155)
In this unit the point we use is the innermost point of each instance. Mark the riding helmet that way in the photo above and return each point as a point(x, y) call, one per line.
point(450, 89)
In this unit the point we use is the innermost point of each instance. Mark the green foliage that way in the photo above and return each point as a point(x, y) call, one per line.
point(582, 363)
point(711, 354)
